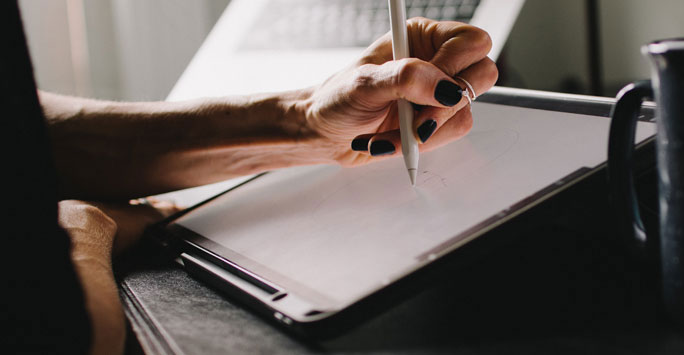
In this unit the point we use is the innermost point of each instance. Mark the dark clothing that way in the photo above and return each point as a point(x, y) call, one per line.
point(43, 308)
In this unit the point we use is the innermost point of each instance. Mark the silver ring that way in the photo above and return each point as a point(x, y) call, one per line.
point(467, 96)
point(470, 89)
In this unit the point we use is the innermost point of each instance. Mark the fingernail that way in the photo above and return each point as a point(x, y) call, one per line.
point(426, 130)
point(360, 144)
point(448, 93)
point(379, 148)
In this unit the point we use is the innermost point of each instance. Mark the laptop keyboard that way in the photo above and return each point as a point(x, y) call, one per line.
point(308, 24)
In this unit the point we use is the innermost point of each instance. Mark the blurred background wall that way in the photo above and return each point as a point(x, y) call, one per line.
point(547, 49)
point(136, 50)
point(130, 49)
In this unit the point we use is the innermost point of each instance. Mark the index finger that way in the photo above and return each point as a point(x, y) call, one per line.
point(451, 46)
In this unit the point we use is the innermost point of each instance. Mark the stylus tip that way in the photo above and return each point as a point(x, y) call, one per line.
point(412, 175)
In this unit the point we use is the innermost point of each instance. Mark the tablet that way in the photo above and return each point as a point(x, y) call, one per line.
point(303, 245)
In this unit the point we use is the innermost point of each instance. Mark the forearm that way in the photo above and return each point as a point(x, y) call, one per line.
point(118, 150)
point(109, 150)
point(103, 305)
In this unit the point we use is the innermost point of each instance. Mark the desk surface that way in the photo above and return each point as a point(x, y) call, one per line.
point(557, 289)
point(196, 320)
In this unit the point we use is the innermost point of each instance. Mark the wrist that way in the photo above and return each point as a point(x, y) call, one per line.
point(288, 116)
point(306, 143)
point(90, 231)
point(276, 128)
point(270, 119)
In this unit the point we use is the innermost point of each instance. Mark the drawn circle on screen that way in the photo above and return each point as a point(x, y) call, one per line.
point(381, 187)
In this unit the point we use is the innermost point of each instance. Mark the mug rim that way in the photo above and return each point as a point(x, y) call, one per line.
point(664, 46)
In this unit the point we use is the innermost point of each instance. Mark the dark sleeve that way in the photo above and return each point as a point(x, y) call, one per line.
point(43, 309)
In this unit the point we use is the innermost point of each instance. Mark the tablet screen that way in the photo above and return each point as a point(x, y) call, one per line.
point(334, 235)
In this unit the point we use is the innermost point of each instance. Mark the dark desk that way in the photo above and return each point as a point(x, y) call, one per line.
point(559, 283)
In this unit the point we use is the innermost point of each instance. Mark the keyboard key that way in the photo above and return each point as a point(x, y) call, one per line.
point(449, 13)
point(466, 11)
point(433, 12)
point(414, 12)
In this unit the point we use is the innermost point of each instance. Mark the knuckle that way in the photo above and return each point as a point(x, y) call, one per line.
point(418, 20)
point(421, 26)
point(490, 72)
point(478, 37)
point(83, 215)
point(441, 115)
point(468, 123)
point(363, 77)
point(407, 72)
point(64, 204)
point(465, 123)
point(98, 215)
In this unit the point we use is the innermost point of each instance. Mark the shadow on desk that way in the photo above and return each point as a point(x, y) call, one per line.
point(561, 284)
point(518, 300)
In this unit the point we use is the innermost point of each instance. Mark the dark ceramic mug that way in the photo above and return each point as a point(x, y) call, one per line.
point(667, 82)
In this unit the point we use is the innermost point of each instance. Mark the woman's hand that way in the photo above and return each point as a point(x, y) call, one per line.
point(356, 108)
point(116, 151)
point(95, 231)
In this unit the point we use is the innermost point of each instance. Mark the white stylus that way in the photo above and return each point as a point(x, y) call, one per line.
point(400, 50)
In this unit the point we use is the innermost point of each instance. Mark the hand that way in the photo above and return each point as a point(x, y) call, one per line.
point(100, 229)
point(134, 149)
point(132, 219)
point(95, 230)
point(359, 104)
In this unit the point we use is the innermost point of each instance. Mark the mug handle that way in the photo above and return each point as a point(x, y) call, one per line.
point(624, 117)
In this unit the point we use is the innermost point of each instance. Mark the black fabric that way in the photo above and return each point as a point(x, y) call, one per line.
point(43, 309)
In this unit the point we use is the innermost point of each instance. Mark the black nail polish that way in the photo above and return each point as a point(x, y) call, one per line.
point(360, 144)
point(379, 148)
point(426, 130)
point(448, 93)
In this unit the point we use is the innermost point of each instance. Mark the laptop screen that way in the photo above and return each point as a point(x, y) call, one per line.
point(275, 45)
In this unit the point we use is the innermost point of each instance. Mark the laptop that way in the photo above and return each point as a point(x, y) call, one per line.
point(276, 45)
